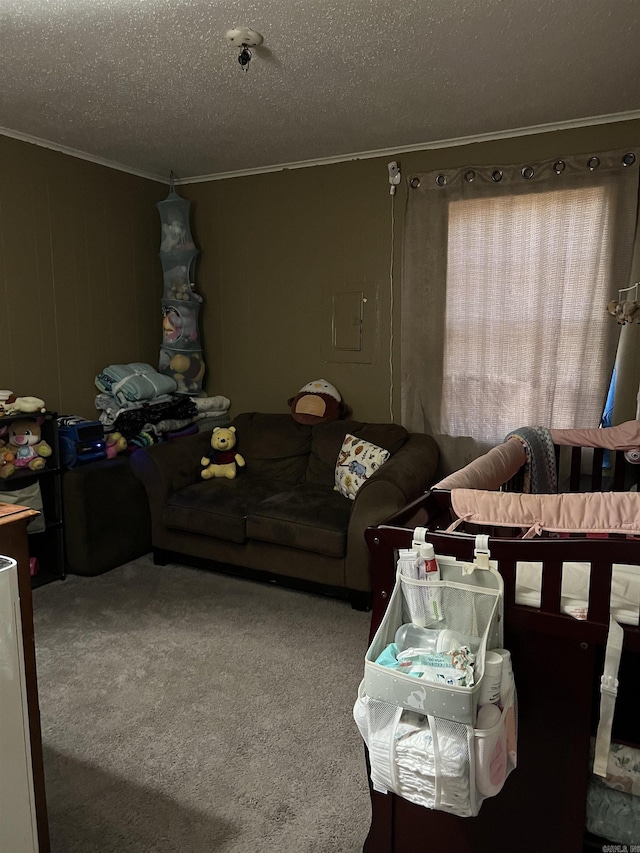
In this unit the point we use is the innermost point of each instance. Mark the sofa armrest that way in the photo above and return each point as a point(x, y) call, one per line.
point(404, 476)
point(164, 468)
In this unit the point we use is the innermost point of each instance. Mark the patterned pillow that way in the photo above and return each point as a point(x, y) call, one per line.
point(357, 461)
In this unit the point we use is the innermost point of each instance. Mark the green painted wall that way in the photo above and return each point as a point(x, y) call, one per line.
point(81, 280)
point(275, 246)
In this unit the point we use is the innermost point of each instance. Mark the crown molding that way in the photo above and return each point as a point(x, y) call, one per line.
point(421, 146)
point(327, 161)
point(80, 155)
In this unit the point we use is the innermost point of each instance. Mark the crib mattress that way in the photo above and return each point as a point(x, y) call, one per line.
point(625, 589)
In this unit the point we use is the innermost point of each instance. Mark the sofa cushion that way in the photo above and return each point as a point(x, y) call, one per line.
point(219, 507)
point(327, 440)
point(273, 445)
point(306, 516)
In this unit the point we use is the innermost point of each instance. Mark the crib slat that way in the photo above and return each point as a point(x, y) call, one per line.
point(599, 592)
point(551, 586)
point(619, 472)
point(507, 568)
point(574, 477)
point(596, 470)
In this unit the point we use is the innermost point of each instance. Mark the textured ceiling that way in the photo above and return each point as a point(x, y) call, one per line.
point(152, 85)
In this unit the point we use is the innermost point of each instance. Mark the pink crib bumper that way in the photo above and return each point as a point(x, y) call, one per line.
point(590, 512)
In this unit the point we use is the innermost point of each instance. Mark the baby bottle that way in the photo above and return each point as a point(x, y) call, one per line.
point(412, 636)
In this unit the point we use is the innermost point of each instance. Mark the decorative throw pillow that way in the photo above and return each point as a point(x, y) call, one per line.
point(357, 461)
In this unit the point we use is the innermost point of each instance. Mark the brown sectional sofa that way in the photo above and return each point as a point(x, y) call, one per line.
point(281, 517)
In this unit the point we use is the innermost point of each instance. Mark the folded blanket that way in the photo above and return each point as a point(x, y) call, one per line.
point(132, 421)
point(623, 768)
point(540, 466)
point(135, 381)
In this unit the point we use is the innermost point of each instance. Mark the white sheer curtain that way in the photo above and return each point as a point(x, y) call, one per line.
point(506, 276)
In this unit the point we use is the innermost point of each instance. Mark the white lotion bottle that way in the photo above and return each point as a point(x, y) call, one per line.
point(507, 688)
point(491, 681)
point(491, 751)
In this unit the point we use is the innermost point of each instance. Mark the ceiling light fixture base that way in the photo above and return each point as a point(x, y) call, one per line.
point(243, 37)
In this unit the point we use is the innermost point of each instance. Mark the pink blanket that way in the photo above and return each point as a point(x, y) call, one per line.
point(490, 471)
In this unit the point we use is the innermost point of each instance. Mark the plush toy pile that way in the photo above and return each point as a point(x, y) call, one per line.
point(12, 405)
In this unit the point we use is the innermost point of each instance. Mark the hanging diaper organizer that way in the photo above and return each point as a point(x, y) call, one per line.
point(440, 730)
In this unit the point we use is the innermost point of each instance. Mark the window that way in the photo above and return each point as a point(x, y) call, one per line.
point(510, 282)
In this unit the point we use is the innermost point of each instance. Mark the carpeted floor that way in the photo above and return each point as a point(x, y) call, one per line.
point(189, 711)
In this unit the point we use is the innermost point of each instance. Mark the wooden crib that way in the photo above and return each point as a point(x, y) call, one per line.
point(557, 663)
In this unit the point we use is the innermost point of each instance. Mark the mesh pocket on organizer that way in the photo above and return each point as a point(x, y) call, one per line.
point(455, 791)
point(464, 610)
point(432, 763)
point(496, 751)
point(377, 723)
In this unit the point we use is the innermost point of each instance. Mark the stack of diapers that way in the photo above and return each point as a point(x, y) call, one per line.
point(404, 757)
point(416, 763)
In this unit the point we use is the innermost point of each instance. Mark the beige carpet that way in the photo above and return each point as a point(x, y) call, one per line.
point(184, 710)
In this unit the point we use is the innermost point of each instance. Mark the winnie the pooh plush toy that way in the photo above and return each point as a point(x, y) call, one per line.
point(222, 459)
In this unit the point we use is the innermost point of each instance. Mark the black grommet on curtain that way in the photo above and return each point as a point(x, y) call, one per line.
point(593, 163)
point(559, 166)
point(528, 172)
point(629, 159)
point(441, 180)
point(469, 175)
point(414, 183)
point(496, 176)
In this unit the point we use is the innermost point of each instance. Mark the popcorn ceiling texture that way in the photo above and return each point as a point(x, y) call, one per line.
point(152, 84)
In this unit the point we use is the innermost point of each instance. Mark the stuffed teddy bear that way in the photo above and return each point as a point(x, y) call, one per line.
point(26, 443)
point(115, 444)
point(222, 459)
point(6, 461)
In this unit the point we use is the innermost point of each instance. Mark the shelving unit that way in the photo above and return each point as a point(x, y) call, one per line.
point(47, 546)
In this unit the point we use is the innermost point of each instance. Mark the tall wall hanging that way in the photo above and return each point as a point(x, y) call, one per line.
point(180, 353)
